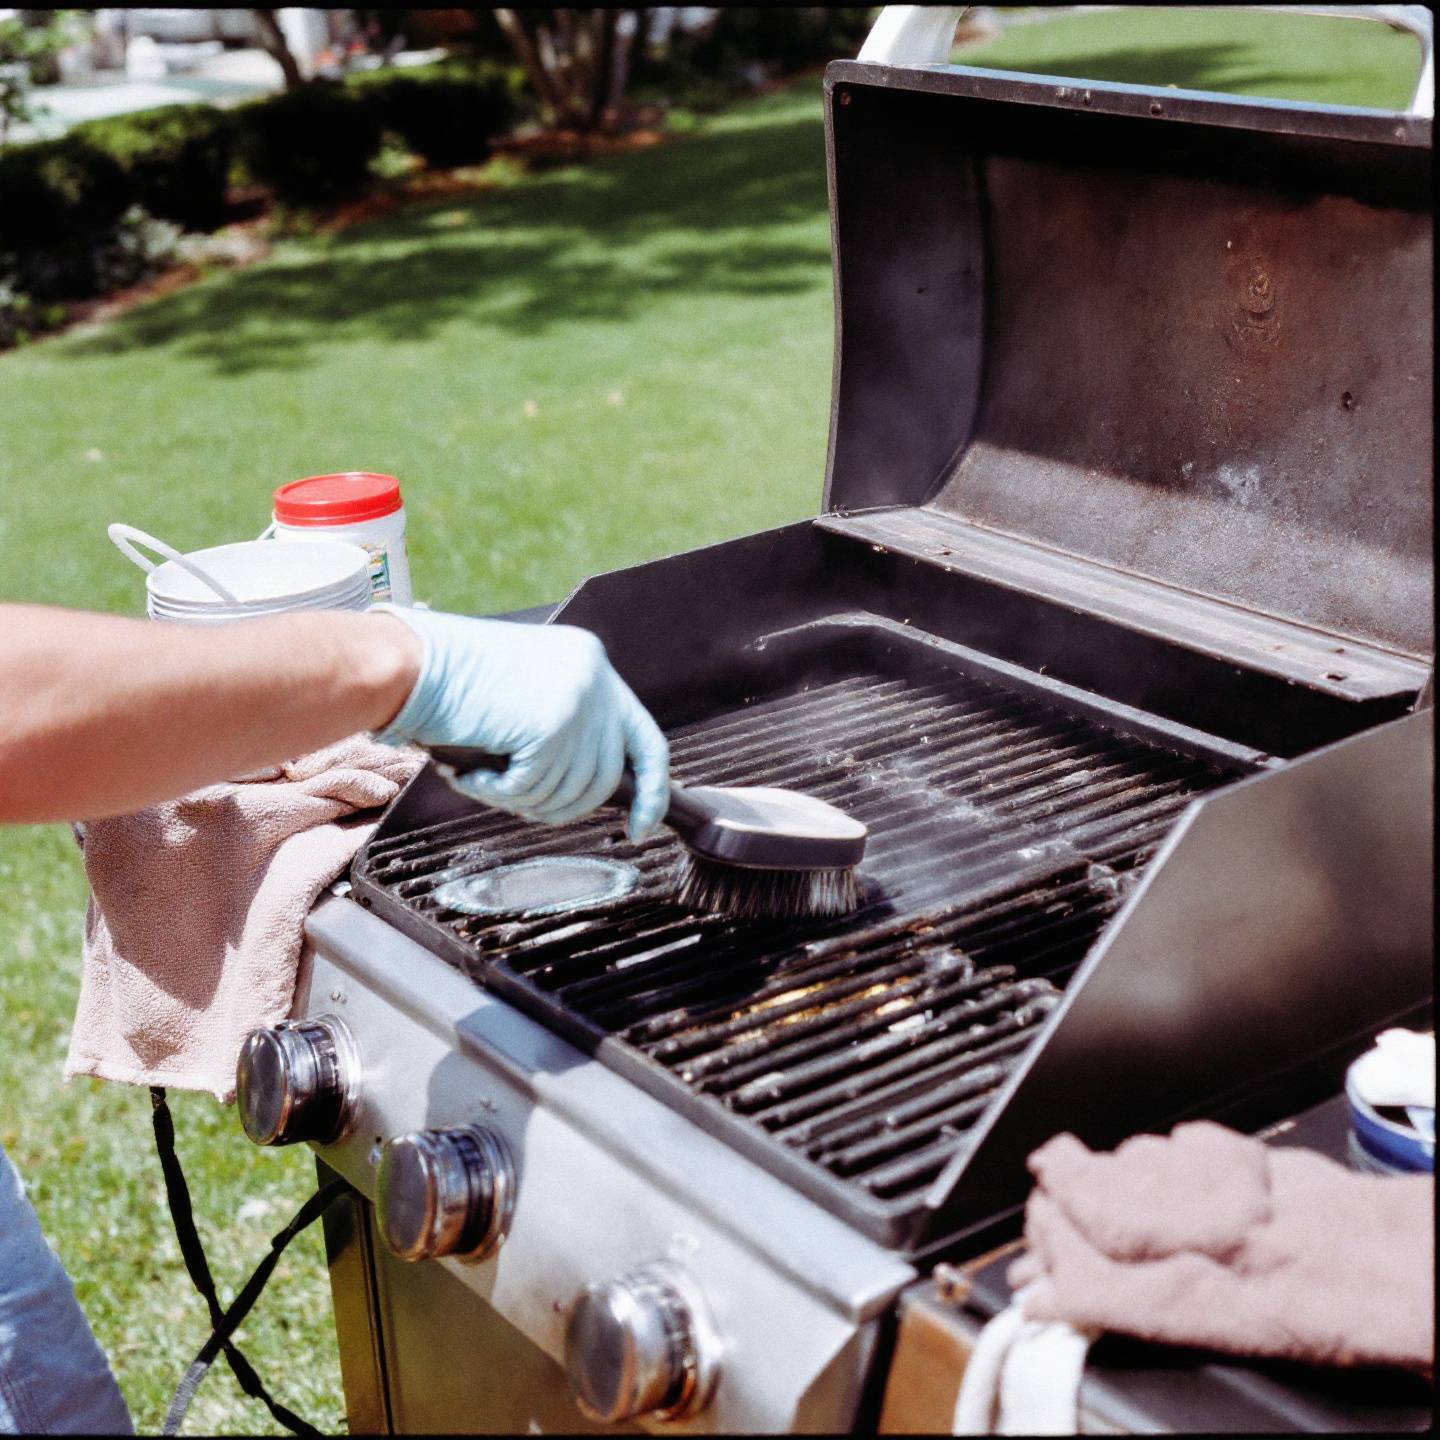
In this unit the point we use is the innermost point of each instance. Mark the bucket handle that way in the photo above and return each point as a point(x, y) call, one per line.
point(267, 532)
point(123, 535)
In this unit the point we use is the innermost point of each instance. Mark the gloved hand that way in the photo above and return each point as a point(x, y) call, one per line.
point(547, 697)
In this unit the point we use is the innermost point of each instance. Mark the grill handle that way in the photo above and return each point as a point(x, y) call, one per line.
point(925, 35)
point(461, 759)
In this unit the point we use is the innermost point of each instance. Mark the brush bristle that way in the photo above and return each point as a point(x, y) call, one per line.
point(766, 894)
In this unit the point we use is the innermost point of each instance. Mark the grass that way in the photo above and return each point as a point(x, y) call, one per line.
point(573, 372)
point(89, 1163)
point(1240, 52)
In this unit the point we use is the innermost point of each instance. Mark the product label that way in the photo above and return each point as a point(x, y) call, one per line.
point(379, 571)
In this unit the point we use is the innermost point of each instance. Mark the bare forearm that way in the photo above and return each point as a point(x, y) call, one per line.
point(101, 715)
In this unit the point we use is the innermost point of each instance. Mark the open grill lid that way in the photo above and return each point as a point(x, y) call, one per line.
point(1159, 356)
point(1165, 358)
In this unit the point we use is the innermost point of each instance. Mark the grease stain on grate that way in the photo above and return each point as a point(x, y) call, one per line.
point(548, 885)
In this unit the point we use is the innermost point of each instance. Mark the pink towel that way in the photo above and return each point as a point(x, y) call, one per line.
point(1210, 1238)
point(194, 927)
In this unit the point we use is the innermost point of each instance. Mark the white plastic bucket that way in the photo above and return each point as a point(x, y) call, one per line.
point(358, 507)
point(247, 579)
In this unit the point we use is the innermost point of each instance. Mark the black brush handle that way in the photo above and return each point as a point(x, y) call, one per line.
point(461, 758)
point(684, 814)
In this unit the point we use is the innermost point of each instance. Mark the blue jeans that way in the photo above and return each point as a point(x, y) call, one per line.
point(54, 1378)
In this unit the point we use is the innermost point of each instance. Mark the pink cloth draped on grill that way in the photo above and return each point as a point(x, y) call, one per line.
point(1212, 1239)
point(193, 932)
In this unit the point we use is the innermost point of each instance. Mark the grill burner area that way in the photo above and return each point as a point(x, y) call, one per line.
point(853, 1056)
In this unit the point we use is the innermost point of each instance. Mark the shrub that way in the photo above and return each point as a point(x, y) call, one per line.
point(176, 160)
point(791, 37)
point(21, 317)
point(310, 145)
point(133, 246)
point(76, 214)
point(54, 190)
point(744, 45)
point(449, 112)
point(137, 246)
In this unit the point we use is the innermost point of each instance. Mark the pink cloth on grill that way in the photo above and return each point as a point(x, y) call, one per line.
point(1213, 1239)
point(194, 927)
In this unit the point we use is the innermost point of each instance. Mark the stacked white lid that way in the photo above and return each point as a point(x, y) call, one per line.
point(250, 578)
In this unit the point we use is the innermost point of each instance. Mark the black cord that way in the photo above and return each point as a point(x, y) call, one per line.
point(223, 1323)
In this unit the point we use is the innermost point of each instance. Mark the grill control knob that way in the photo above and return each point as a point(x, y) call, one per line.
point(297, 1080)
point(445, 1192)
point(641, 1344)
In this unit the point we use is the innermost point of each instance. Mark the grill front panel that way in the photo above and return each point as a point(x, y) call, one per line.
point(854, 1056)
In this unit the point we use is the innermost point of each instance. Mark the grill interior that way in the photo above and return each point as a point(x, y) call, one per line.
point(855, 1056)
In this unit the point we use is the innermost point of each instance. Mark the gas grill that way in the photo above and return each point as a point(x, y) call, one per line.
point(1113, 629)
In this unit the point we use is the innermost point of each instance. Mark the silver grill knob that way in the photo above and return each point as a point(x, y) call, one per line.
point(641, 1344)
point(445, 1192)
point(297, 1080)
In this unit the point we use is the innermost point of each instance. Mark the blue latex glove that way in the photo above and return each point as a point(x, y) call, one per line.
point(547, 697)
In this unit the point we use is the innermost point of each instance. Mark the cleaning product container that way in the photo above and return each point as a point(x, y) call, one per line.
point(248, 579)
point(356, 506)
point(1391, 1094)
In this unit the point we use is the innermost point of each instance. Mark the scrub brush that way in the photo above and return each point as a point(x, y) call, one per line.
point(754, 851)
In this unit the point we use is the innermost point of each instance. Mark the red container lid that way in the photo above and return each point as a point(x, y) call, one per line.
point(344, 499)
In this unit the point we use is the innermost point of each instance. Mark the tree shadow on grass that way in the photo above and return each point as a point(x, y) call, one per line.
point(601, 243)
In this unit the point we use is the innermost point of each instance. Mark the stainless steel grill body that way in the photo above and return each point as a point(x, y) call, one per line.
point(1112, 630)
point(608, 1178)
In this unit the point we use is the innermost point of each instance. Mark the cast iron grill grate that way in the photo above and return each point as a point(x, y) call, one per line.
point(855, 1055)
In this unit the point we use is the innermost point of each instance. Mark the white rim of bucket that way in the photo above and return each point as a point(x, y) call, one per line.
point(263, 573)
point(221, 616)
point(174, 588)
point(302, 602)
point(313, 597)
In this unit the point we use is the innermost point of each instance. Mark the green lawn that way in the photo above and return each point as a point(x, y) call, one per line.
point(1241, 52)
point(666, 315)
point(650, 334)
point(573, 372)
